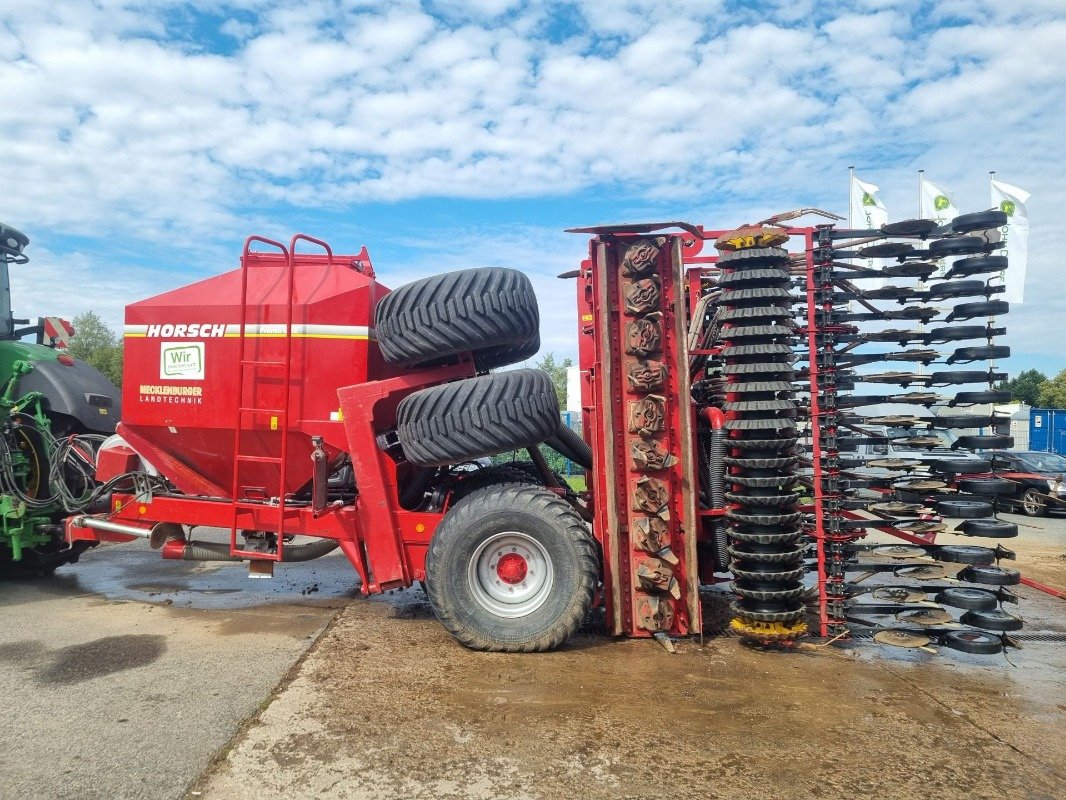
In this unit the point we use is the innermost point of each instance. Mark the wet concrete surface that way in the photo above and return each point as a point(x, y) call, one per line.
point(128, 676)
point(125, 674)
point(386, 705)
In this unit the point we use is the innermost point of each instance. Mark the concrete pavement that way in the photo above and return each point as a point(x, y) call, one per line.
point(125, 674)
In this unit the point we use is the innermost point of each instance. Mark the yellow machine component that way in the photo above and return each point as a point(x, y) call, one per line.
point(769, 632)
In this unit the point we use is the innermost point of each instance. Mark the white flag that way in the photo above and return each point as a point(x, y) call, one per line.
point(1011, 200)
point(937, 203)
point(867, 211)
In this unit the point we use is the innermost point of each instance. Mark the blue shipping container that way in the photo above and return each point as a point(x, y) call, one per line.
point(1047, 430)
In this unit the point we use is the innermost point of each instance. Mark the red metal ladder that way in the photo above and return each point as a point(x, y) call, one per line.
point(245, 399)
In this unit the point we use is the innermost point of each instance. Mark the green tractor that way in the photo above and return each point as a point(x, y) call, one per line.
point(54, 412)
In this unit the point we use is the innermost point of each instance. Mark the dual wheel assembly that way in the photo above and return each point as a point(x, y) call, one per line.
point(512, 566)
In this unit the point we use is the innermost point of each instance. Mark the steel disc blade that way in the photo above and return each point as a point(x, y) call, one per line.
point(926, 617)
point(900, 551)
point(923, 572)
point(899, 594)
point(897, 638)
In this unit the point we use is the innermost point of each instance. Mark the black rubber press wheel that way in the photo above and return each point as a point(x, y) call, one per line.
point(991, 576)
point(963, 509)
point(960, 466)
point(987, 486)
point(943, 291)
point(512, 568)
point(979, 265)
point(965, 554)
point(962, 376)
point(992, 620)
point(956, 246)
point(970, 599)
point(974, 398)
point(987, 442)
point(986, 308)
point(979, 221)
point(909, 227)
point(988, 528)
point(974, 642)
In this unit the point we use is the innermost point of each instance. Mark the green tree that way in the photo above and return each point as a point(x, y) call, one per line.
point(97, 345)
point(1025, 387)
point(1053, 392)
point(557, 371)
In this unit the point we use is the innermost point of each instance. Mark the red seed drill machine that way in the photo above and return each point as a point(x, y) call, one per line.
point(302, 406)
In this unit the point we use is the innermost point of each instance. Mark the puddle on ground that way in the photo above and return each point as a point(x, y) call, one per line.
point(134, 572)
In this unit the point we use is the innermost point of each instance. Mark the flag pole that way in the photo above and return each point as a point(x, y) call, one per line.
point(921, 283)
point(851, 186)
point(1002, 275)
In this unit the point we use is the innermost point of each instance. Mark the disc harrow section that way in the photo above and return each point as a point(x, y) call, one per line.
point(756, 338)
point(906, 461)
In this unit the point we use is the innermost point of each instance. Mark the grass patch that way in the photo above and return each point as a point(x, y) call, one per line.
point(577, 482)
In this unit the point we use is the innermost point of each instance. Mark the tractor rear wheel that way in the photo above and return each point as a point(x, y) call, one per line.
point(512, 568)
point(490, 309)
point(477, 417)
point(41, 561)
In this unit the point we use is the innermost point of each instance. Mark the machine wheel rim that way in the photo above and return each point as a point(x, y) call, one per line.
point(510, 574)
point(1031, 503)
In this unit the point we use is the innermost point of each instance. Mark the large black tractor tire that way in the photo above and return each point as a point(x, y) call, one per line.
point(40, 562)
point(493, 357)
point(512, 569)
point(477, 417)
point(491, 309)
point(496, 475)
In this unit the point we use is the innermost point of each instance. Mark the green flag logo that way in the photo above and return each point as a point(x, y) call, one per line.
point(1008, 207)
point(940, 202)
point(868, 199)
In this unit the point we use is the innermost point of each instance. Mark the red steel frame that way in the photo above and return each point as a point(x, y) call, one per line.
point(697, 269)
point(385, 543)
point(606, 404)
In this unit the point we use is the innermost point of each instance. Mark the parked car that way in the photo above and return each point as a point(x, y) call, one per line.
point(927, 455)
point(1039, 477)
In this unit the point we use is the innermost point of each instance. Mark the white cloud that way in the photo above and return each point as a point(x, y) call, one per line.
point(120, 122)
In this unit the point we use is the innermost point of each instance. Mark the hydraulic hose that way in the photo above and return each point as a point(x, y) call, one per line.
point(716, 484)
point(569, 444)
point(219, 551)
point(309, 551)
point(416, 490)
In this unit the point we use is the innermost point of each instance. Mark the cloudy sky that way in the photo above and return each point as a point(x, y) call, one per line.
point(143, 139)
